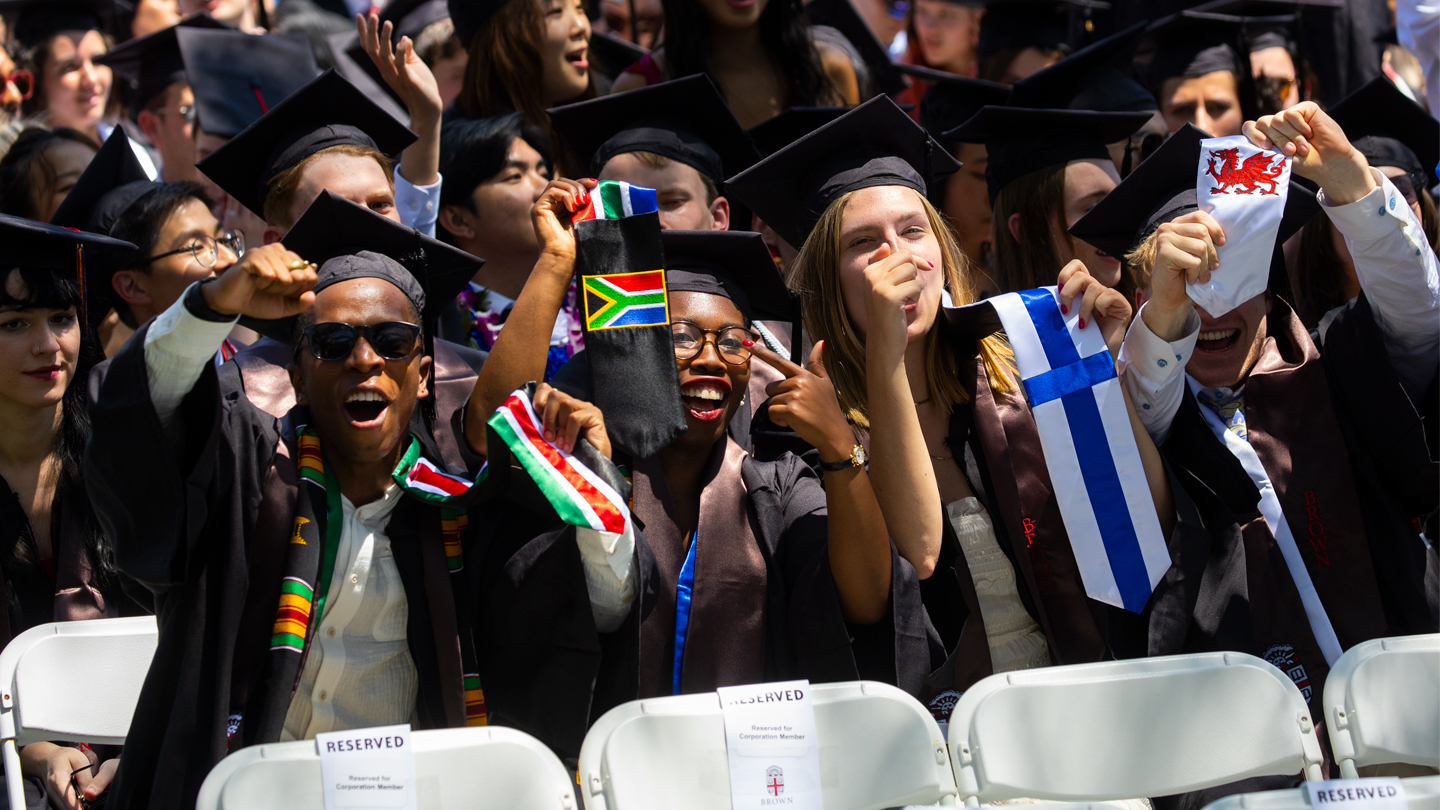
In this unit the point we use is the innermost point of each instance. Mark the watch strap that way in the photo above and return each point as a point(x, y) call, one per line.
point(846, 463)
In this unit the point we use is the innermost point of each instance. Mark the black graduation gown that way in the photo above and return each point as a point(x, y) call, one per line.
point(555, 673)
point(204, 527)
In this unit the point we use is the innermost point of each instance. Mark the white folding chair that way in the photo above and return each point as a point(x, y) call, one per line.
point(1421, 793)
point(1382, 700)
point(878, 748)
point(71, 681)
point(1129, 729)
point(483, 768)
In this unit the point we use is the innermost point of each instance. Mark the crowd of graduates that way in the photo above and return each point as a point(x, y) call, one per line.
point(307, 348)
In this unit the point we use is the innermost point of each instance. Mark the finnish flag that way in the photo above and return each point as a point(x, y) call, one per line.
point(1079, 406)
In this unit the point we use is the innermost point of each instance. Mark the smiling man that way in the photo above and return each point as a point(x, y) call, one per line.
point(301, 583)
point(1304, 452)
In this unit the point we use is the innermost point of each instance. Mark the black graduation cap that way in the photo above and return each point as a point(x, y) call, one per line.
point(610, 55)
point(37, 20)
point(732, 264)
point(1047, 24)
point(1194, 43)
point(469, 15)
point(1391, 130)
point(153, 62)
point(334, 227)
point(96, 199)
point(327, 112)
point(842, 16)
point(685, 120)
point(1019, 140)
point(238, 77)
point(1269, 23)
point(63, 251)
point(362, 73)
point(875, 144)
point(1162, 189)
point(953, 99)
point(1096, 77)
point(774, 134)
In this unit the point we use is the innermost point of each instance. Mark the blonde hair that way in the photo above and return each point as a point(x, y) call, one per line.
point(1141, 259)
point(817, 278)
point(284, 186)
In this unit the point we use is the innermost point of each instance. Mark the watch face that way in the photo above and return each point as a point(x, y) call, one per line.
point(858, 456)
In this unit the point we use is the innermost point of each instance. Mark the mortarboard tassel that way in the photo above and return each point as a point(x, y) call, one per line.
point(80, 278)
point(260, 97)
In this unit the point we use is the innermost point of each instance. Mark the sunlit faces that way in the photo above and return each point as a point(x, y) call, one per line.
point(361, 405)
point(499, 227)
point(76, 88)
point(967, 201)
point(679, 192)
point(1086, 184)
point(1210, 102)
point(565, 66)
point(948, 34)
point(151, 293)
point(710, 388)
point(66, 160)
point(229, 11)
point(892, 217)
point(359, 179)
point(38, 350)
point(1229, 346)
point(169, 128)
point(450, 77)
point(734, 13)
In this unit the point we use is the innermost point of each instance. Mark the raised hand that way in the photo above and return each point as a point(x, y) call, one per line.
point(1099, 306)
point(565, 420)
point(268, 282)
point(805, 402)
point(1184, 254)
point(1321, 151)
point(405, 72)
point(552, 215)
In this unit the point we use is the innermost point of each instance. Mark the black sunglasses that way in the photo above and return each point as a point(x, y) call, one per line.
point(392, 340)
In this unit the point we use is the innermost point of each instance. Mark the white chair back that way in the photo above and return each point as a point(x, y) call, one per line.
point(1126, 729)
point(1382, 700)
point(489, 768)
point(1421, 793)
point(72, 681)
point(878, 748)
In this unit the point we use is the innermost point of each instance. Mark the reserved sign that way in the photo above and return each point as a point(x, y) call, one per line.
point(367, 767)
point(773, 754)
point(1373, 793)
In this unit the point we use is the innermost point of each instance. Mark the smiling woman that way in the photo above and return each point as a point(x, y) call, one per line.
point(70, 89)
point(525, 56)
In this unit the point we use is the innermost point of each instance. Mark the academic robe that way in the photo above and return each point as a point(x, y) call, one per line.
point(204, 526)
point(764, 606)
point(1346, 453)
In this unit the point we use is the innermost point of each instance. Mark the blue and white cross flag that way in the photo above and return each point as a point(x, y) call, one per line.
point(1084, 424)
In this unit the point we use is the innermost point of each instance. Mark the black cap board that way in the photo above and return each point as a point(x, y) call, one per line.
point(610, 55)
point(774, 134)
point(1019, 141)
point(26, 243)
point(329, 111)
point(1391, 130)
point(153, 62)
point(35, 21)
point(1163, 188)
point(92, 204)
point(333, 228)
point(733, 264)
point(1097, 77)
point(685, 120)
point(842, 16)
point(237, 77)
point(470, 15)
point(1192, 43)
point(952, 99)
point(875, 144)
point(1013, 25)
point(1270, 23)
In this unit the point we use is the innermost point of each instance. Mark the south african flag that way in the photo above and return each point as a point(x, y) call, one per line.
point(616, 199)
point(625, 300)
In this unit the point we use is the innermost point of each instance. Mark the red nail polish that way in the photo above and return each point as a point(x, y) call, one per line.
point(932, 264)
point(584, 198)
point(1064, 310)
point(748, 343)
point(1082, 323)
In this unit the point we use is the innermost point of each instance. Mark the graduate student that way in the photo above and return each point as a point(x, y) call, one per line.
point(746, 571)
point(677, 137)
point(40, 168)
point(1308, 447)
point(55, 557)
point(524, 56)
point(1046, 169)
point(953, 451)
point(380, 631)
point(1200, 72)
point(163, 103)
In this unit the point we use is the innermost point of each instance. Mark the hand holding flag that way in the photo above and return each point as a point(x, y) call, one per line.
point(1098, 305)
point(566, 420)
point(554, 215)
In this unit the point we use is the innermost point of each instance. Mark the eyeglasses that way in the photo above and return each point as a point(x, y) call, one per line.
point(187, 111)
point(206, 249)
point(93, 804)
point(392, 340)
point(24, 81)
point(689, 341)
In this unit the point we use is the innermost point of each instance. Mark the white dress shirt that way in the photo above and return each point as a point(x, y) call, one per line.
point(1396, 268)
point(419, 206)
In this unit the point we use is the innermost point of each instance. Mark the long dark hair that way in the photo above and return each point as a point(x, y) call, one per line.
point(472, 152)
point(44, 289)
point(784, 32)
point(504, 66)
point(17, 168)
